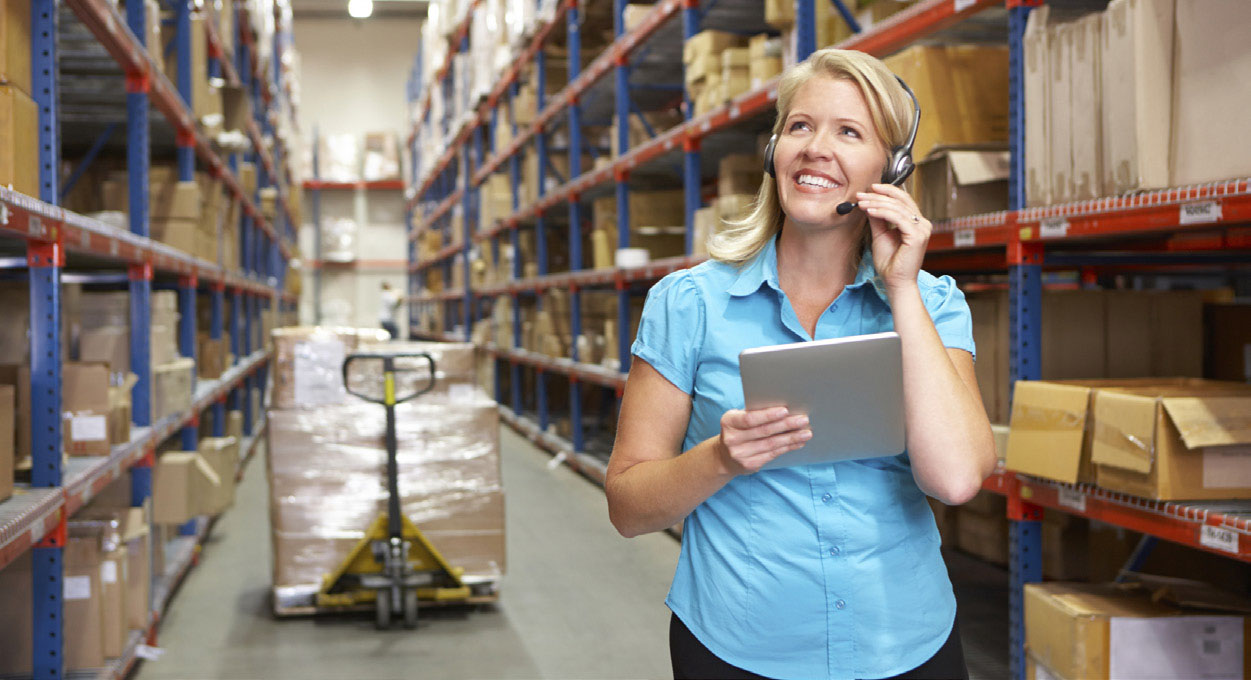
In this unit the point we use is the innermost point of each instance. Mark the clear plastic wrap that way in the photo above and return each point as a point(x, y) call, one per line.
point(327, 484)
point(338, 240)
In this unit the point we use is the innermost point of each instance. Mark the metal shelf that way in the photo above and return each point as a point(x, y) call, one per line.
point(360, 185)
point(591, 373)
point(29, 218)
point(589, 466)
point(104, 21)
point(31, 513)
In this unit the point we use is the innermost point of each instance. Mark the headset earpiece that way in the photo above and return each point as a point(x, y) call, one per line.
point(768, 156)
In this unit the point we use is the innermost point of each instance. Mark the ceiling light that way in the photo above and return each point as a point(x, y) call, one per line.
point(360, 9)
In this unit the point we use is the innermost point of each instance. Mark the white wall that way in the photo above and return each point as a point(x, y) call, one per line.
point(354, 74)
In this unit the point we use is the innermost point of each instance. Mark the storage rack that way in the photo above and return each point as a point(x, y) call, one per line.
point(1185, 225)
point(318, 264)
point(36, 517)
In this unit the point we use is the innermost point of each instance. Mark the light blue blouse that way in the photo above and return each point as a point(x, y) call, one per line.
point(818, 571)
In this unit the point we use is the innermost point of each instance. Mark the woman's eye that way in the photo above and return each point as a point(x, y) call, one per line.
point(850, 131)
point(798, 125)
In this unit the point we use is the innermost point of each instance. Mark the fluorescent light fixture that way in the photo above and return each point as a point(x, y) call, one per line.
point(360, 9)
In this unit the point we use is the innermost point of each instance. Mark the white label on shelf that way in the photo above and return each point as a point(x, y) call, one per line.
point(961, 5)
point(36, 226)
point(1200, 213)
point(89, 428)
point(1226, 467)
point(1053, 227)
point(965, 238)
point(77, 588)
point(734, 111)
point(149, 653)
point(108, 571)
point(316, 370)
point(1072, 498)
point(460, 392)
point(86, 239)
point(1218, 538)
point(37, 529)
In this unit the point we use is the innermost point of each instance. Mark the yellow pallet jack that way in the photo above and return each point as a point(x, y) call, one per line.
point(393, 565)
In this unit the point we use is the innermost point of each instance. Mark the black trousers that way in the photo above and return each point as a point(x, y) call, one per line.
point(392, 328)
point(693, 661)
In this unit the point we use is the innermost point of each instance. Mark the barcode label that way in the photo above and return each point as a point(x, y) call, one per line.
point(1053, 227)
point(77, 588)
point(1201, 212)
point(965, 238)
point(1072, 498)
point(1217, 538)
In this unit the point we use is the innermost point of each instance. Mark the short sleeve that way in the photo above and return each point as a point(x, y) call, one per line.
point(951, 315)
point(671, 330)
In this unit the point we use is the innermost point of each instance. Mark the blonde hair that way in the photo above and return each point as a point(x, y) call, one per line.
point(889, 107)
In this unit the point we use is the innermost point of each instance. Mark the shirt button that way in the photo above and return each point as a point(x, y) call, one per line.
point(827, 498)
point(834, 551)
point(840, 604)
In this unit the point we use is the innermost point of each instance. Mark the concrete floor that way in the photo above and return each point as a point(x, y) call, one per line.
point(578, 601)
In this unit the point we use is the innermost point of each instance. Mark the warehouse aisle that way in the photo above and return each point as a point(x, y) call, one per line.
point(578, 600)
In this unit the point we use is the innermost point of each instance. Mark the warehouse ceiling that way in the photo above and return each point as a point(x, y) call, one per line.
point(337, 9)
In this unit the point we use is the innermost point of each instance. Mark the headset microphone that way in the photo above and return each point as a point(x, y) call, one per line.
point(844, 208)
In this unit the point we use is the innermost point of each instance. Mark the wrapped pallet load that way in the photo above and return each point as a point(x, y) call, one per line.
point(327, 459)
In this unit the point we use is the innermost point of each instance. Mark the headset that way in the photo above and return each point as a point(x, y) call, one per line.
point(898, 168)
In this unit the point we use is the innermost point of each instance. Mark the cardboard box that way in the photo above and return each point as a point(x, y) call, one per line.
point(108, 344)
point(1065, 546)
point(19, 139)
point(1136, 73)
point(138, 542)
point(1060, 130)
point(1227, 342)
point(83, 608)
point(984, 535)
point(1211, 141)
point(15, 44)
point(120, 409)
point(8, 396)
point(1099, 631)
point(222, 454)
point(172, 386)
point(183, 487)
point(739, 174)
point(1174, 443)
point(85, 408)
point(113, 629)
point(18, 377)
point(211, 356)
point(963, 90)
point(957, 182)
point(234, 425)
point(15, 616)
point(707, 43)
point(1085, 120)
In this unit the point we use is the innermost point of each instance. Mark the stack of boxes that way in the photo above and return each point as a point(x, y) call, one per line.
point(656, 226)
point(1132, 99)
point(106, 586)
point(448, 450)
point(19, 164)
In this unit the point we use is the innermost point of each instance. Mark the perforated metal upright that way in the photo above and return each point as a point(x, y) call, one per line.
point(217, 303)
point(575, 223)
point(621, 100)
point(45, 259)
point(540, 225)
point(514, 235)
point(1025, 343)
point(690, 145)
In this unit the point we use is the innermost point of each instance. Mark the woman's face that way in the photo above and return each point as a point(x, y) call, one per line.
point(827, 150)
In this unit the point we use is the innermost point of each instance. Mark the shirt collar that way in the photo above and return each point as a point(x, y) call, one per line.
point(763, 269)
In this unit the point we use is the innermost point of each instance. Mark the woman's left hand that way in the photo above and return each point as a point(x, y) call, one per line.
point(900, 234)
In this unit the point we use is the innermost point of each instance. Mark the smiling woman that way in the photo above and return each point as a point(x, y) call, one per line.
point(825, 570)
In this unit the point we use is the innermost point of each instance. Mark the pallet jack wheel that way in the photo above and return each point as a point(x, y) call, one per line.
point(410, 608)
point(382, 612)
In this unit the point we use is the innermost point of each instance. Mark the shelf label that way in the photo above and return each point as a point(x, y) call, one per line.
point(1200, 213)
point(1053, 227)
point(77, 588)
point(37, 530)
point(1072, 498)
point(965, 238)
point(961, 5)
point(36, 226)
point(1218, 538)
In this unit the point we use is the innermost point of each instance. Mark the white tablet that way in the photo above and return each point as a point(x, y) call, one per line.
point(850, 388)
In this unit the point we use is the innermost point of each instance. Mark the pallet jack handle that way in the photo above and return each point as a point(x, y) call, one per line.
point(389, 400)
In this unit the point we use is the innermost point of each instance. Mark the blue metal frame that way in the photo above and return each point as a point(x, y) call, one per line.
point(182, 39)
point(805, 28)
point(691, 178)
point(540, 227)
point(621, 91)
point(575, 224)
point(87, 160)
point(514, 181)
